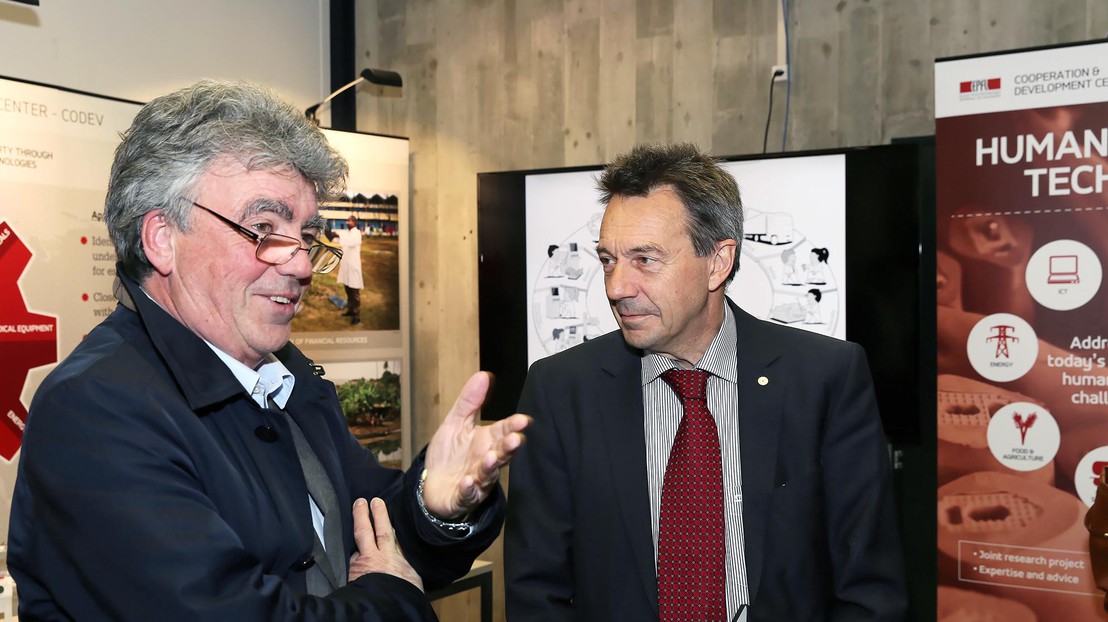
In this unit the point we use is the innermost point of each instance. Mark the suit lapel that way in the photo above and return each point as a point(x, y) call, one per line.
point(760, 403)
point(621, 408)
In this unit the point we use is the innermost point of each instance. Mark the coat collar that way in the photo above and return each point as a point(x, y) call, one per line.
point(203, 378)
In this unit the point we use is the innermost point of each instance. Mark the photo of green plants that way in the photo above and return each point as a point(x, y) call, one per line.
point(372, 410)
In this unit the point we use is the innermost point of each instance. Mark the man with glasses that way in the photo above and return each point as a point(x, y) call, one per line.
point(186, 461)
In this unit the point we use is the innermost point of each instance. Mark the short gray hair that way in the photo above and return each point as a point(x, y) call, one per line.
point(176, 138)
point(713, 207)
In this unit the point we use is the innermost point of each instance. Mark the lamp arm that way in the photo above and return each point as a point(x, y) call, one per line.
point(311, 110)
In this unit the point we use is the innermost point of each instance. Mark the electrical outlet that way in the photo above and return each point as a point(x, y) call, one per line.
point(784, 69)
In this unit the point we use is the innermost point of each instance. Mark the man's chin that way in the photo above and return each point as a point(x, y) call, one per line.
point(636, 338)
point(275, 338)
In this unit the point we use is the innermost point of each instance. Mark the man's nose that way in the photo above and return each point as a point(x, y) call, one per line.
point(299, 267)
point(619, 283)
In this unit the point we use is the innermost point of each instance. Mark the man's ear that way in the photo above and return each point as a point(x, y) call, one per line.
point(723, 258)
point(159, 242)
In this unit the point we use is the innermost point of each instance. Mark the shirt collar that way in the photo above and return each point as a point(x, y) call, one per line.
point(720, 359)
point(270, 379)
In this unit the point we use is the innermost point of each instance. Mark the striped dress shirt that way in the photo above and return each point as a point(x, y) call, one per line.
point(663, 414)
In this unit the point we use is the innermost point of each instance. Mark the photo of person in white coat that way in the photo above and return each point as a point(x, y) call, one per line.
point(350, 269)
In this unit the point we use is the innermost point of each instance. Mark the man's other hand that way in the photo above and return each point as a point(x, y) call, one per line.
point(378, 550)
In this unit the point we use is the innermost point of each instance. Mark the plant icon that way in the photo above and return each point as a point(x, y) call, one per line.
point(1024, 425)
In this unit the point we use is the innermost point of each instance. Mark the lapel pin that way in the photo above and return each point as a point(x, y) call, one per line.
point(762, 380)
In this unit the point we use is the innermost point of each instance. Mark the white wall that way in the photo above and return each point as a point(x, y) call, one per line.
point(139, 49)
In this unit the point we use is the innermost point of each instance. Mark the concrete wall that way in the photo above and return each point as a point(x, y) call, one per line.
point(513, 84)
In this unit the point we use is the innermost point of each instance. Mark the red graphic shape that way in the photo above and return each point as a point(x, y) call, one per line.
point(1024, 426)
point(1002, 337)
point(27, 340)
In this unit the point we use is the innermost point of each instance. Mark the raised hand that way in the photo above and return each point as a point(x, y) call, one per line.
point(464, 458)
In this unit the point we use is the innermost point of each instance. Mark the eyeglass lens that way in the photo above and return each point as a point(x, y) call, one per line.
point(323, 259)
point(279, 249)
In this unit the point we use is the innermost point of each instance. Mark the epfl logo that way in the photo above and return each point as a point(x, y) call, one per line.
point(979, 87)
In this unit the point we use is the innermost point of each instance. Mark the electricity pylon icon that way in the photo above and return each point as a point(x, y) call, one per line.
point(1002, 337)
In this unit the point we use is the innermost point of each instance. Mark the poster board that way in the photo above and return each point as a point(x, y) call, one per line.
point(56, 261)
point(1022, 405)
point(368, 361)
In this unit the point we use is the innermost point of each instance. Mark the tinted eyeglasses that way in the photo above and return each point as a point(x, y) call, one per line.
point(277, 249)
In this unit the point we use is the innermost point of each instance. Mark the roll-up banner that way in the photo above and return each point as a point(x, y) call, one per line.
point(1022, 237)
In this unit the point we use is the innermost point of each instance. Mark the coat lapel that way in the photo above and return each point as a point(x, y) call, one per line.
point(621, 407)
point(760, 403)
point(309, 398)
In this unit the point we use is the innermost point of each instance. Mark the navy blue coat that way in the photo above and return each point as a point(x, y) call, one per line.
point(821, 537)
point(143, 492)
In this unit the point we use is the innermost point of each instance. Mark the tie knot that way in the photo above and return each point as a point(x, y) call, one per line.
point(688, 384)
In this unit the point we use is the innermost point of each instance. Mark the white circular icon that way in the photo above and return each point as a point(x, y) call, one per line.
point(1023, 436)
point(1063, 275)
point(1002, 347)
point(1088, 472)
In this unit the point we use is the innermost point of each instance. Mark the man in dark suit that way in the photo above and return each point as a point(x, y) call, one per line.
point(765, 496)
point(186, 462)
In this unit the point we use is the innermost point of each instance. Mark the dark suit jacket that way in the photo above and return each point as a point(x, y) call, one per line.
point(144, 493)
point(821, 540)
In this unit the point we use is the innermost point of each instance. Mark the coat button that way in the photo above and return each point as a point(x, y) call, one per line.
point(266, 433)
point(303, 564)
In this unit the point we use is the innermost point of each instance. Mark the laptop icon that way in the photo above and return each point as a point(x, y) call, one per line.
point(1063, 270)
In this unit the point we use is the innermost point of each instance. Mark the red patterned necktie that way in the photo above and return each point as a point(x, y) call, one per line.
point(692, 576)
